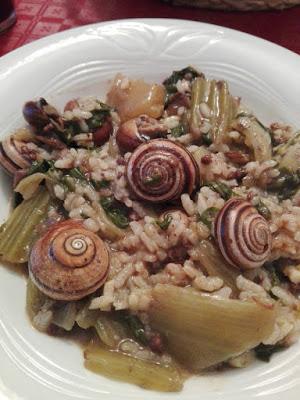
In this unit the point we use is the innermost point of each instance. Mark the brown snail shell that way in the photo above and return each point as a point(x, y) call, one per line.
point(6, 163)
point(68, 262)
point(34, 113)
point(242, 234)
point(138, 130)
point(40, 113)
point(14, 155)
point(161, 170)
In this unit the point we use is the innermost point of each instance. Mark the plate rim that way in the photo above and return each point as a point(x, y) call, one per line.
point(8, 57)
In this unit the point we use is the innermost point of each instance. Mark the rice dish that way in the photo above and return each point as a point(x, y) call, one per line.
point(164, 222)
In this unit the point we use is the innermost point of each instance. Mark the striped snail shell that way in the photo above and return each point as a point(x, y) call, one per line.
point(242, 234)
point(161, 170)
point(68, 262)
point(14, 155)
point(139, 130)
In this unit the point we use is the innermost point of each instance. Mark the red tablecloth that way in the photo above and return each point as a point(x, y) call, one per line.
point(38, 18)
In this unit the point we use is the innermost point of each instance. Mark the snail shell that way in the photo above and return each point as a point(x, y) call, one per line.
point(161, 170)
point(14, 155)
point(39, 114)
point(139, 130)
point(242, 234)
point(34, 113)
point(68, 262)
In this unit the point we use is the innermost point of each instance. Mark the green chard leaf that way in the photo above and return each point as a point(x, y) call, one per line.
point(137, 328)
point(99, 117)
point(208, 216)
point(115, 211)
point(206, 139)
point(264, 352)
point(103, 184)
point(178, 131)
point(77, 174)
point(40, 166)
point(164, 224)
point(224, 191)
point(188, 73)
point(71, 128)
point(275, 271)
point(286, 185)
point(73, 175)
point(118, 218)
point(263, 210)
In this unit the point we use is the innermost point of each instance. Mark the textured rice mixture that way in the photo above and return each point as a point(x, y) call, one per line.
point(145, 254)
point(148, 255)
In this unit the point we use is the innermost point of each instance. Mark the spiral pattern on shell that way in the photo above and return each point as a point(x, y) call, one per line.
point(242, 234)
point(68, 262)
point(14, 155)
point(161, 170)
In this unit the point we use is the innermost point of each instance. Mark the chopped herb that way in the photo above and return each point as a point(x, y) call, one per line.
point(77, 174)
point(206, 139)
point(118, 218)
point(208, 216)
point(70, 178)
point(263, 209)
point(164, 224)
point(286, 185)
point(224, 191)
point(40, 166)
point(178, 131)
point(68, 183)
point(264, 352)
point(66, 131)
point(137, 328)
point(115, 211)
point(104, 107)
point(71, 128)
point(188, 73)
point(107, 202)
point(152, 180)
point(55, 175)
point(99, 116)
point(274, 276)
point(274, 269)
point(103, 184)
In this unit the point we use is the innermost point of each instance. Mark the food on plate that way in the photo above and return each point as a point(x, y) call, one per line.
point(162, 223)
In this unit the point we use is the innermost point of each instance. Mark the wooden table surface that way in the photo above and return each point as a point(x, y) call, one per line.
point(38, 18)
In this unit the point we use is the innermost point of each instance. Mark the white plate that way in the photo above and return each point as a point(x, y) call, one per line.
point(34, 366)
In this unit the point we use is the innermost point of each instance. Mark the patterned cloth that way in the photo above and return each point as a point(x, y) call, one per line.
point(38, 18)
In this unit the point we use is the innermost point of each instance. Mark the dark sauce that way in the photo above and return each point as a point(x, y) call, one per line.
point(82, 337)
